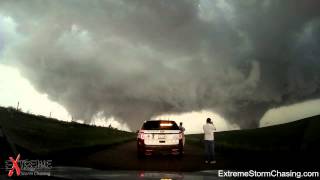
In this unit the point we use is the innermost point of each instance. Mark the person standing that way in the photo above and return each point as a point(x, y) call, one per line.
point(182, 129)
point(208, 130)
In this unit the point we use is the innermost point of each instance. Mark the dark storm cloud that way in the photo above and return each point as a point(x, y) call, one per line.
point(1, 38)
point(139, 58)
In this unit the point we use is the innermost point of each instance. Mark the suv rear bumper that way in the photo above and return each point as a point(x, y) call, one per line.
point(162, 147)
point(149, 149)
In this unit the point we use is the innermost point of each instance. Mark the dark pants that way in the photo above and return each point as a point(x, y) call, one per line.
point(209, 150)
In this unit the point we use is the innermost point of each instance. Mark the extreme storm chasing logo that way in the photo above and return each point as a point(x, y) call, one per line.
point(15, 166)
point(28, 167)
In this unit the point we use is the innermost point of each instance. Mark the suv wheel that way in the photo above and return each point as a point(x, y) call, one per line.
point(140, 154)
point(180, 155)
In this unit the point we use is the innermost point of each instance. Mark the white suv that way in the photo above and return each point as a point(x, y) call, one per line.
point(160, 136)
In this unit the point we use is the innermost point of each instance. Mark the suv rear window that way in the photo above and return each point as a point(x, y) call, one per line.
point(160, 125)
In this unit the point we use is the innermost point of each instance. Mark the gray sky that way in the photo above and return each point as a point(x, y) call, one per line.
point(15, 87)
point(128, 61)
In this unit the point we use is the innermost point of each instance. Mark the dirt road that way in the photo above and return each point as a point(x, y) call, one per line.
point(124, 157)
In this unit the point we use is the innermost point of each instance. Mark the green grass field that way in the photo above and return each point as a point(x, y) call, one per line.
point(42, 135)
point(295, 136)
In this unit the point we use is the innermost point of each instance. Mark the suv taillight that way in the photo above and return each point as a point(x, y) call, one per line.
point(141, 135)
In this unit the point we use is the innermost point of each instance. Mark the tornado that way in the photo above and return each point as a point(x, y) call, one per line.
point(136, 59)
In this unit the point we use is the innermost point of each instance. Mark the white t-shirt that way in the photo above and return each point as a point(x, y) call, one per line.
point(208, 130)
point(182, 128)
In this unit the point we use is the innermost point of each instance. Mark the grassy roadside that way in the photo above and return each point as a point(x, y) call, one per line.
point(41, 135)
point(302, 135)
